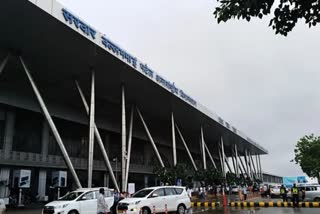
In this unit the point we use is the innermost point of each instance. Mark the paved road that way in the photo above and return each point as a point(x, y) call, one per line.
point(229, 210)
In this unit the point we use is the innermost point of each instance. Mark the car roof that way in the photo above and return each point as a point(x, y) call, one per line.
point(91, 189)
point(158, 187)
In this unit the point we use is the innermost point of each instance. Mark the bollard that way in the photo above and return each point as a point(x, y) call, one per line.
point(165, 209)
point(154, 209)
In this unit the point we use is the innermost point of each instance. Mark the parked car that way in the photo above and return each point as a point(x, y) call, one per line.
point(275, 191)
point(311, 192)
point(156, 199)
point(81, 201)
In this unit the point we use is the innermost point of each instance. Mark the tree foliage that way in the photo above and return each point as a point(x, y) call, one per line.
point(307, 155)
point(285, 14)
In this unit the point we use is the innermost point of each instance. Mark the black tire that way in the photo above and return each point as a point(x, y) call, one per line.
point(181, 209)
point(146, 211)
point(317, 199)
point(73, 212)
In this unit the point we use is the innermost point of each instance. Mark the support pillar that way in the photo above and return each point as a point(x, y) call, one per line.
point(9, 131)
point(210, 156)
point(99, 140)
point(237, 162)
point(4, 63)
point(91, 130)
point(123, 140)
point(4, 176)
point(150, 138)
point(223, 158)
point(52, 126)
point(45, 138)
point(42, 184)
point(129, 149)
point(261, 173)
point(203, 150)
point(146, 181)
point(186, 147)
point(174, 149)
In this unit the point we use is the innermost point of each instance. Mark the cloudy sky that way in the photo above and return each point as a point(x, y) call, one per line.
point(266, 85)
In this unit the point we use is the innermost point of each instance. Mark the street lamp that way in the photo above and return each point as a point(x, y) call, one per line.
point(116, 160)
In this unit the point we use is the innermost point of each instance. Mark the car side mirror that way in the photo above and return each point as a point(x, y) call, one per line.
point(154, 195)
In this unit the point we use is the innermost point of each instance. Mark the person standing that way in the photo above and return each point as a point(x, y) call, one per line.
point(295, 195)
point(245, 192)
point(283, 193)
point(102, 206)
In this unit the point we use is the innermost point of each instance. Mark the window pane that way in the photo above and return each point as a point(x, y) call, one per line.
point(159, 192)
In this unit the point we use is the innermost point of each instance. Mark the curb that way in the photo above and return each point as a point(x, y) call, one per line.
point(272, 204)
point(205, 204)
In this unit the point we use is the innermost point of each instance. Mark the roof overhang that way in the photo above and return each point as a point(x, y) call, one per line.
point(59, 47)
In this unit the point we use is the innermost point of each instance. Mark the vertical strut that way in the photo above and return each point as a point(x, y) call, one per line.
point(99, 140)
point(123, 138)
point(203, 150)
point(174, 150)
point(129, 148)
point(91, 130)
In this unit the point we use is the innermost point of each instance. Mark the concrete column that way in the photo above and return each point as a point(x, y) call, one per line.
point(123, 140)
point(174, 150)
point(106, 180)
point(9, 131)
point(45, 138)
point(146, 179)
point(42, 184)
point(4, 176)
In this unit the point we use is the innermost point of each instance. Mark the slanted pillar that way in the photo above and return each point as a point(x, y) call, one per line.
point(150, 138)
point(4, 63)
point(237, 162)
point(223, 158)
point(203, 150)
point(174, 149)
point(52, 125)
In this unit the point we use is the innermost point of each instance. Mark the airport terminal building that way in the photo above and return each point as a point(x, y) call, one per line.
point(72, 100)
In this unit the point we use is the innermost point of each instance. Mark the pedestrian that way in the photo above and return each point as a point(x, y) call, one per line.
point(245, 192)
point(102, 207)
point(295, 195)
point(189, 192)
point(283, 193)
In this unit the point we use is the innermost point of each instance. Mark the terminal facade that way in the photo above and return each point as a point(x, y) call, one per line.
point(72, 100)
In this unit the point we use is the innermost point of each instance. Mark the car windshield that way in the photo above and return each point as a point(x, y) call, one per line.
point(142, 193)
point(70, 196)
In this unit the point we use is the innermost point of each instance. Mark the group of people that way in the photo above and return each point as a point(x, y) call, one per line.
point(294, 192)
point(102, 205)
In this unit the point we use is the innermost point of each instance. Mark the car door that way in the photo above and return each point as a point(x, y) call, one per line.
point(170, 199)
point(157, 200)
point(88, 203)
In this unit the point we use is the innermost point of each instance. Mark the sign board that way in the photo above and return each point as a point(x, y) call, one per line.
point(302, 179)
point(131, 188)
point(22, 178)
point(59, 178)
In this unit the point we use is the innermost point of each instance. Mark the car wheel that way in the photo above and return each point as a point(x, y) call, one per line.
point(73, 212)
point(145, 211)
point(181, 209)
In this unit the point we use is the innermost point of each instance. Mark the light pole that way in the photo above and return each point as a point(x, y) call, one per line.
point(116, 160)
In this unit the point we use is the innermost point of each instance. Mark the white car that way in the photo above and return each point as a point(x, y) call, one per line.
point(81, 201)
point(156, 200)
point(275, 191)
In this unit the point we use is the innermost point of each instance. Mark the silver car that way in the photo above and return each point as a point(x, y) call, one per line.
point(311, 192)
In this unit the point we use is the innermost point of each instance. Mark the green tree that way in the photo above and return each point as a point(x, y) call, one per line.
point(307, 155)
point(285, 15)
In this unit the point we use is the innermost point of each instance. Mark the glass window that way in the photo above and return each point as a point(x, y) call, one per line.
point(179, 190)
point(159, 192)
point(88, 196)
point(70, 196)
point(142, 193)
point(170, 191)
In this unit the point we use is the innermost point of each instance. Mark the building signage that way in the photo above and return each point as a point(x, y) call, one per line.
point(119, 52)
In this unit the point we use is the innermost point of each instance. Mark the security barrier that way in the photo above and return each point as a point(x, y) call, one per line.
point(272, 204)
point(205, 204)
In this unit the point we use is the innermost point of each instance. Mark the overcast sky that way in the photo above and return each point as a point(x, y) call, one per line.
point(264, 84)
